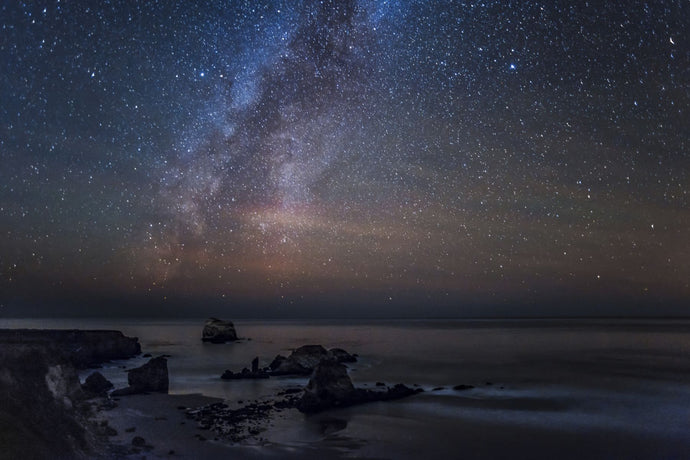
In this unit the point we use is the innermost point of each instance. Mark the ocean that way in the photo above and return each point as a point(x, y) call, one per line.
point(575, 388)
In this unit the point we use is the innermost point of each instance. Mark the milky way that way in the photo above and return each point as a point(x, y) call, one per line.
point(346, 157)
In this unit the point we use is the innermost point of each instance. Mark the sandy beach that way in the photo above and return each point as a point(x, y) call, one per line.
point(348, 433)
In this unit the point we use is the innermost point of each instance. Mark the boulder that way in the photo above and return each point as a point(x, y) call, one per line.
point(152, 376)
point(218, 331)
point(97, 385)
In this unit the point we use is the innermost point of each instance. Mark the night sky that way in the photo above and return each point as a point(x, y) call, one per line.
point(345, 158)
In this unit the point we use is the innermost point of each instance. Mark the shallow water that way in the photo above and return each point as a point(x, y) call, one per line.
point(606, 379)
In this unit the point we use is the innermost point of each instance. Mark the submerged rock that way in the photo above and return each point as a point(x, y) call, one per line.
point(96, 385)
point(462, 387)
point(218, 331)
point(152, 376)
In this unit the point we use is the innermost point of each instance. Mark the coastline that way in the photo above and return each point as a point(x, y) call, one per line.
point(522, 395)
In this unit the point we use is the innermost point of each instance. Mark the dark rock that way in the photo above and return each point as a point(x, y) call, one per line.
point(83, 349)
point(146, 355)
point(380, 384)
point(138, 441)
point(275, 364)
point(438, 389)
point(462, 387)
point(96, 384)
point(152, 376)
point(255, 365)
point(218, 331)
point(329, 386)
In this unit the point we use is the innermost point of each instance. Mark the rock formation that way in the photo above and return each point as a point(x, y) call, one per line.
point(255, 373)
point(218, 331)
point(330, 387)
point(151, 377)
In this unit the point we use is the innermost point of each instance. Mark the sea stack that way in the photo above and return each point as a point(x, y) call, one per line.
point(218, 331)
point(329, 386)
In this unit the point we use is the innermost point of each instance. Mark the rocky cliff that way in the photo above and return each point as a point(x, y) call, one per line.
point(42, 408)
point(82, 348)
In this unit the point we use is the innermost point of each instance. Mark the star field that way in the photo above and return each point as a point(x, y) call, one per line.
point(346, 157)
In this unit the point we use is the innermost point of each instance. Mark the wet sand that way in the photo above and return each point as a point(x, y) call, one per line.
point(377, 430)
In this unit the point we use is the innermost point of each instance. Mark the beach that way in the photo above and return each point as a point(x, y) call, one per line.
point(492, 389)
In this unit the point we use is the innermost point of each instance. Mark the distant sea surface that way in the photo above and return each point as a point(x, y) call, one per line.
point(599, 388)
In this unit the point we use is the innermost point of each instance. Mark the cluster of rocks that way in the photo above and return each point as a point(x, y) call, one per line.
point(254, 373)
point(329, 387)
point(242, 423)
point(302, 361)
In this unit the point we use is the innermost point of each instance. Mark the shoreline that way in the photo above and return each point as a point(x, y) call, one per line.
point(580, 405)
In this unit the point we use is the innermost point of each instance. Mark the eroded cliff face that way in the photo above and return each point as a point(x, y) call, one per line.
point(42, 409)
point(40, 413)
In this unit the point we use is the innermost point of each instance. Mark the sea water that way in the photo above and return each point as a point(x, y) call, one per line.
point(599, 381)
